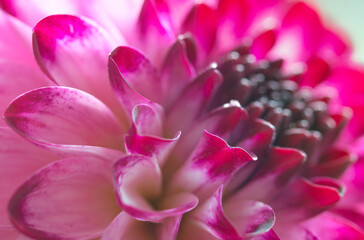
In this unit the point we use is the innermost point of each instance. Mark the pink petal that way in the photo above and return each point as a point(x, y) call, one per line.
point(177, 71)
point(18, 160)
point(332, 227)
point(221, 121)
point(169, 228)
point(19, 70)
point(317, 70)
point(193, 101)
point(274, 173)
point(67, 47)
point(9, 234)
point(147, 121)
point(212, 162)
point(201, 21)
point(138, 179)
point(125, 94)
point(234, 219)
point(72, 198)
point(138, 72)
point(304, 199)
point(63, 115)
point(149, 145)
point(263, 43)
point(154, 29)
point(125, 226)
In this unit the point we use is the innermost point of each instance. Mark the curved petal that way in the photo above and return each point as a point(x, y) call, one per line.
point(72, 198)
point(212, 162)
point(18, 160)
point(304, 198)
point(138, 180)
point(63, 115)
point(138, 72)
point(125, 226)
point(263, 43)
point(192, 101)
point(234, 219)
point(124, 93)
point(68, 47)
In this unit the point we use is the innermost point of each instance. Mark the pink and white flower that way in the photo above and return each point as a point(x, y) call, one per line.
point(223, 119)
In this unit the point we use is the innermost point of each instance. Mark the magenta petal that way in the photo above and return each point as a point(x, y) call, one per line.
point(48, 115)
point(329, 226)
point(67, 47)
point(303, 198)
point(138, 179)
point(177, 72)
point(193, 101)
point(125, 94)
point(138, 72)
point(225, 222)
point(149, 145)
point(263, 43)
point(317, 71)
point(154, 30)
point(72, 198)
point(201, 21)
point(212, 162)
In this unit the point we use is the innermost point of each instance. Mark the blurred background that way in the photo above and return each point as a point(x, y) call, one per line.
point(349, 15)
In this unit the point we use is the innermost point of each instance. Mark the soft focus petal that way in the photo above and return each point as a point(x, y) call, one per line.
point(18, 160)
point(72, 198)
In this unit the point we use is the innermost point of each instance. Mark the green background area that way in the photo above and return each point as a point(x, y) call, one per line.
point(349, 15)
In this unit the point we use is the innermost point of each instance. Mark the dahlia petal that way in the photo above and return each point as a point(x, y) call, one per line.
point(263, 43)
point(138, 72)
point(221, 121)
point(333, 163)
point(270, 235)
point(193, 101)
point(225, 222)
point(274, 173)
point(155, 29)
point(149, 145)
point(67, 47)
point(125, 94)
point(138, 178)
point(9, 234)
point(201, 21)
point(48, 115)
point(19, 70)
point(177, 72)
point(332, 227)
point(18, 160)
point(125, 226)
point(304, 198)
point(169, 228)
point(317, 71)
point(335, 42)
point(212, 162)
point(72, 198)
point(147, 121)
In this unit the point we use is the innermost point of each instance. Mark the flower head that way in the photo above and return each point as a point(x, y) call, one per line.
point(178, 120)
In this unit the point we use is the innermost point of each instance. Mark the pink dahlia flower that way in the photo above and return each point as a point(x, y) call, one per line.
point(175, 120)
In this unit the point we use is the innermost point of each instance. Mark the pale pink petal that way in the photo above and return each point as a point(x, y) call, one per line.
point(212, 162)
point(169, 228)
point(138, 179)
point(72, 52)
point(63, 115)
point(193, 101)
point(18, 69)
point(177, 71)
point(225, 222)
point(18, 160)
point(147, 121)
point(9, 234)
point(127, 227)
point(124, 93)
point(138, 72)
point(72, 198)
